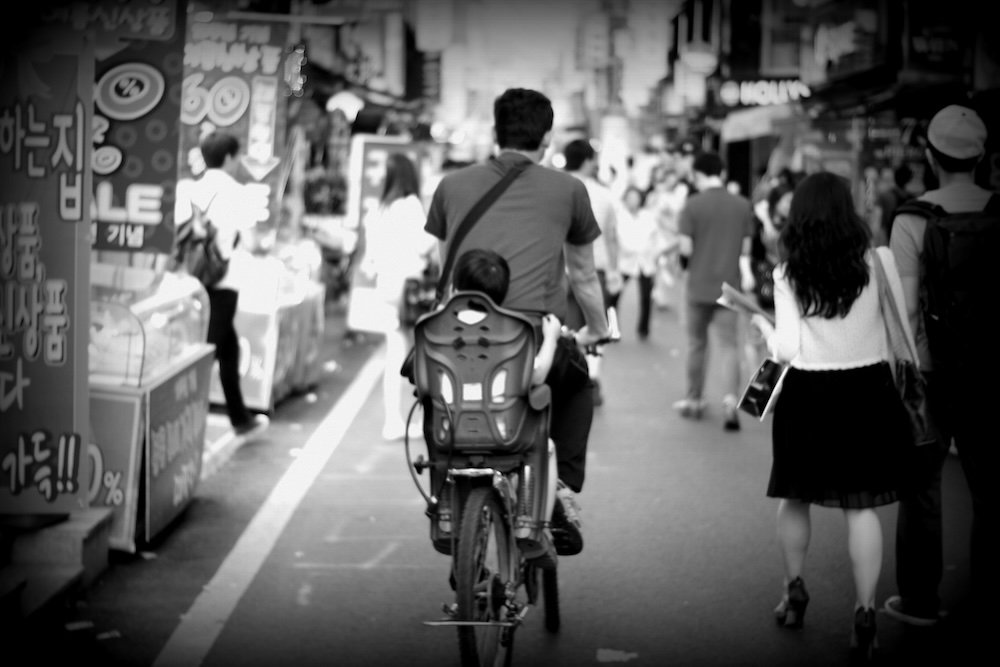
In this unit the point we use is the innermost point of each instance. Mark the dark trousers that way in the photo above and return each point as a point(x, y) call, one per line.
point(919, 560)
point(222, 334)
point(645, 301)
point(963, 409)
point(972, 399)
point(569, 428)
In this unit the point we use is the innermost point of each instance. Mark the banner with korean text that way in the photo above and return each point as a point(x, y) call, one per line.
point(137, 94)
point(46, 101)
point(234, 81)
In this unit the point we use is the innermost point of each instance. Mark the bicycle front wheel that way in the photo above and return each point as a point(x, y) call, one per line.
point(483, 568)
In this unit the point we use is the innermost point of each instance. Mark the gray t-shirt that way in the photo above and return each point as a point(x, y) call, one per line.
point(717, 222)
point(542, 210)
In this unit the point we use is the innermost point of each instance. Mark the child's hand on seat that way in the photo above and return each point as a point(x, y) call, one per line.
point(551, 326)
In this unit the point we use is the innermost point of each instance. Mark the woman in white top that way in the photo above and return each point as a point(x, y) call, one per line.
point(392, 248)
point(639, 243)
point(839, 428)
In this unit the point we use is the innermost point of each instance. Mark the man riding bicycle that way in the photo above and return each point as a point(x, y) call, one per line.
point(544, 227)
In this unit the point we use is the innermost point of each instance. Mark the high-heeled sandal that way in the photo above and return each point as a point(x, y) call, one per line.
point(791, 611)
point(863, 635)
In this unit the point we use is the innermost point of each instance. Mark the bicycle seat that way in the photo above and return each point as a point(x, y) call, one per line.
point(473, 362)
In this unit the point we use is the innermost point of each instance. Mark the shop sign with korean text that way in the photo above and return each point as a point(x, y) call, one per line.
point(46, 101)
point(137, 98)
point(234, 81)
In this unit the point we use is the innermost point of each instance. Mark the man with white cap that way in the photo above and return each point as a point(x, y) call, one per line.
point(960, 404)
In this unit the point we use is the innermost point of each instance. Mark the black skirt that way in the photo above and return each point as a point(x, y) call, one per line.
point(838, 438)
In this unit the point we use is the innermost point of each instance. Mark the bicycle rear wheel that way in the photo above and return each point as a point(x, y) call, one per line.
point(483, 568)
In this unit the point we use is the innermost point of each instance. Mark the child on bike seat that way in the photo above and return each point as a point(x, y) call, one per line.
point(486, 271)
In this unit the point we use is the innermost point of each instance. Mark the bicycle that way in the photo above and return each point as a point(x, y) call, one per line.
point(492, 471)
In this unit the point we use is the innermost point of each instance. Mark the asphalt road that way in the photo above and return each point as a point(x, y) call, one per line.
point(310, 547)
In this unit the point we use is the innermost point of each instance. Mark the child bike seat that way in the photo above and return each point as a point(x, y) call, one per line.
point(473, 362)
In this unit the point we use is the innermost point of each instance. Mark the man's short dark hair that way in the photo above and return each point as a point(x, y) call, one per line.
point(577, 152)
point(708, 163)
point(521, 118)
point(483, 271)
point(216, 147)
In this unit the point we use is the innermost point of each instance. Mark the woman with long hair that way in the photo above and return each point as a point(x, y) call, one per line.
point(838, 427)
point(393, 246)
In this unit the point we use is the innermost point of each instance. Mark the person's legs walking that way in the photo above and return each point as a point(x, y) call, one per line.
point(794, 530)
point(222, 334)
point(645, 304)
point(698, 317)
point(864, 544)
point(726, 325)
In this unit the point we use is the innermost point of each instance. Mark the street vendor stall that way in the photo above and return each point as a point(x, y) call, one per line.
point(149, 371)
point(280, 321)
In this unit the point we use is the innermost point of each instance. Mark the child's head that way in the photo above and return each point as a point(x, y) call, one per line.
point(482, 271)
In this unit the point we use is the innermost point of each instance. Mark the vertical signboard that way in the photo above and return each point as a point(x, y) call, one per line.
point(45, 195)
point(234, 82)
point(115, 481)
point(139, 69)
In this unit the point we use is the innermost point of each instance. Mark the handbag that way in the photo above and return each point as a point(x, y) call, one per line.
point(910, 383)
point(368, 309)
point(762, 391)
point(477, 210)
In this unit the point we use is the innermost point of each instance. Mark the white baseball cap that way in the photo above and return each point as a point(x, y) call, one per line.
point(957, 132)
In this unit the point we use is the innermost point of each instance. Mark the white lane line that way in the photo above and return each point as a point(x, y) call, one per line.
point(201, 625)
point(386, 551)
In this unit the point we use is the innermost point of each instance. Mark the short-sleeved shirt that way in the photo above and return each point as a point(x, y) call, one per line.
point(717, 222)
point(542, 210)
point(603, 204)
point(907, 243)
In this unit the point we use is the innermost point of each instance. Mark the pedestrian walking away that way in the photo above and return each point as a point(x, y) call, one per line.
point(829, 328)
point(581, 161)
point(716, 231)
point(960, 359)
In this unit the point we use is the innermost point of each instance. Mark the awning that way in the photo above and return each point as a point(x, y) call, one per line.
point(753, 122)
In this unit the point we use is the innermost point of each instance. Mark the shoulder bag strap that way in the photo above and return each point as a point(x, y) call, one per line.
point(470, 218)
point(899, 343)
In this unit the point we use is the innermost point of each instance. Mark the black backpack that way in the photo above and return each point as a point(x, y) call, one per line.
point(196, 250)
point(960, 283)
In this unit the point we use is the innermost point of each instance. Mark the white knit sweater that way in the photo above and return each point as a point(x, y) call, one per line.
point(816, 343)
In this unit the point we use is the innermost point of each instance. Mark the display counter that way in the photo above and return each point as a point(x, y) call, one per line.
point(280, 321)
point(150, 370)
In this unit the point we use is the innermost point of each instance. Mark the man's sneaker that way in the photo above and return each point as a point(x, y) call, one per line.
point(256, 425)
point(540, 551)
point(566, 527)
point(690, 408)
point(895, 608)
point(731, 413)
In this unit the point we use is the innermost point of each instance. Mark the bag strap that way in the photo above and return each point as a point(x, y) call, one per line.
point(470, 218)
point(899, 343)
